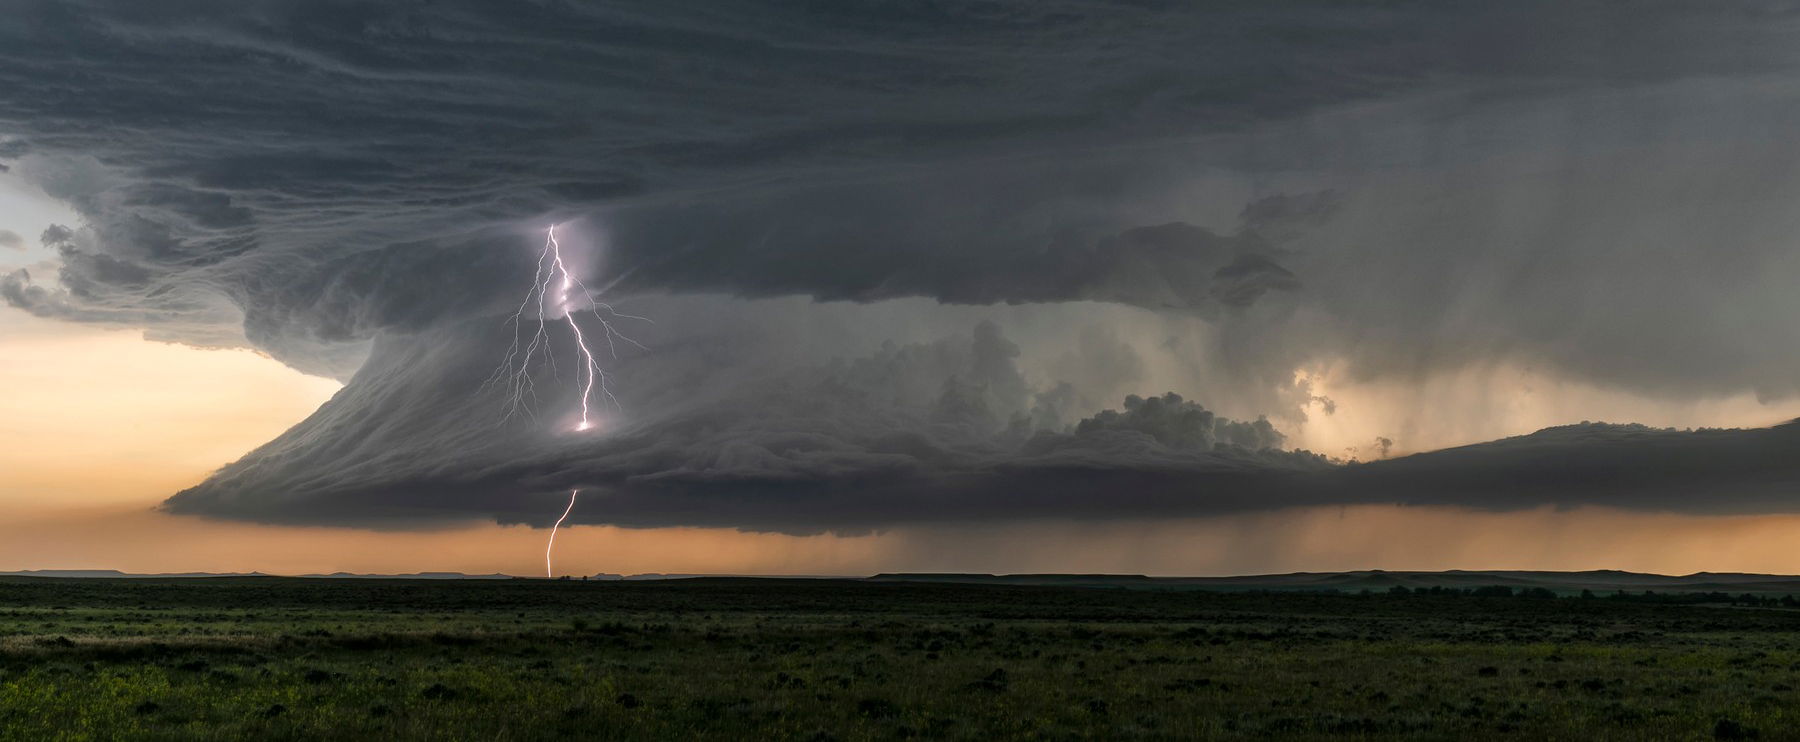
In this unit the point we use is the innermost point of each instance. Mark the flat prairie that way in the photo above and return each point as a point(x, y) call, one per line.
point(724, 658)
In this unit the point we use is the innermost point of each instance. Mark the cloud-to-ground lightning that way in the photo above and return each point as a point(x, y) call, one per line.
point(560, 295)
point(551, 547)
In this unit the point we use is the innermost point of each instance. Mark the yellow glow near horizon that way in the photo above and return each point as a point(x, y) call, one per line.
point(95, 415)
point(1297, 540)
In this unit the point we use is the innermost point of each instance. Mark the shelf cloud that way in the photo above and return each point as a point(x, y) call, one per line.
point(919, 262)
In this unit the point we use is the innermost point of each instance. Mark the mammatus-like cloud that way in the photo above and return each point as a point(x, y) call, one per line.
point(356, 190)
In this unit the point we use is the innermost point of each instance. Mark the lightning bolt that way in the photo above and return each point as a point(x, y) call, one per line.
point(558, 294)
point(550, 547)
point(562, 302)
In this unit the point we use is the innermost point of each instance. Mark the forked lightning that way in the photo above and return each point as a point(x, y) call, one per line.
point(569, 296)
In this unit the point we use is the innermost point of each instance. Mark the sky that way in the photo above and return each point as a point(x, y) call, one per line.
point(1172, 289)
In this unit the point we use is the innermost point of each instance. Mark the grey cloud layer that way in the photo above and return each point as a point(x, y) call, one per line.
point(288, 138)
point(934, 432)
point(937, 431)
point(1402, 189)
point(1629, 466)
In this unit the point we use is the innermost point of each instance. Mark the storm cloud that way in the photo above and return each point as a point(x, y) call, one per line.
point(912, 262)
point(1631, 466)
point(939, 431)
point(934, 432)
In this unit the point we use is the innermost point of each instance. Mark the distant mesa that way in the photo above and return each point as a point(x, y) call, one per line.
point(1598, 581)
point(1604, 580)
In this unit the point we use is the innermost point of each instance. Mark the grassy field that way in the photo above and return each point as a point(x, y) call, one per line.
point(274, 658)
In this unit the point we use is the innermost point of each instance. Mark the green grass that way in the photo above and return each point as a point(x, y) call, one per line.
point(271, 658)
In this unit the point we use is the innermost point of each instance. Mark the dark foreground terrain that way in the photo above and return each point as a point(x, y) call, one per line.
point(281, 658)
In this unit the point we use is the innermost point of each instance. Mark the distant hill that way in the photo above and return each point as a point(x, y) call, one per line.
point(410, 576)
point(1599, 581)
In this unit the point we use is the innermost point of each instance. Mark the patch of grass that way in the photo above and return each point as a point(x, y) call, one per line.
point(846, 660)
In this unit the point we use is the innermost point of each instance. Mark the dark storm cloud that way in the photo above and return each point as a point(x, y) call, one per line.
point(1629, 466)
point(931, 432)
point(201, 322)
point(56, 235)
point(1407, 187)
point(949, 251)
point(923, 432)
point(1179, 424)
point(234, 143)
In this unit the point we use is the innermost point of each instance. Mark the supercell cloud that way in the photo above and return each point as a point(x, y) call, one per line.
point(918, 262)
